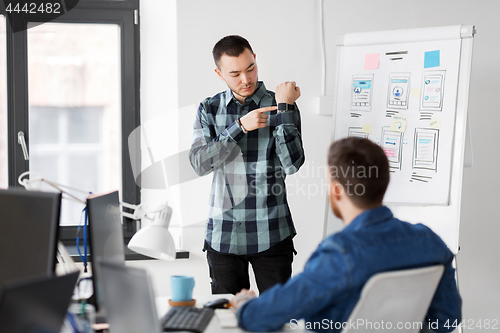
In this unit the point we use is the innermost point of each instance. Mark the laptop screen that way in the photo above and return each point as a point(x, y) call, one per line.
point(106, 236)
point(36, 305)
point(129, 298)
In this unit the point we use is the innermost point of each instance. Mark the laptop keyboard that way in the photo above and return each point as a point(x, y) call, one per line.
point(187, 319)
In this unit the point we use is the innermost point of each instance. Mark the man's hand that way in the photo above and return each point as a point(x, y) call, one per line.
point(241, 297)
point(287, 92)
point(256, 119)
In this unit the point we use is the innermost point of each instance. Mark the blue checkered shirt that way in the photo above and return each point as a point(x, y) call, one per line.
point(249, 211)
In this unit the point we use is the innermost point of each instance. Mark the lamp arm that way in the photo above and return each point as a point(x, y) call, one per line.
point(138, 211)
point(130, 216)
point(55, 185)
point(71, 196)
point(65, 186)
point(128, 205)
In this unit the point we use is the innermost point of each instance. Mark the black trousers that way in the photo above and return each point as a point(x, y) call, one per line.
point(229, 272)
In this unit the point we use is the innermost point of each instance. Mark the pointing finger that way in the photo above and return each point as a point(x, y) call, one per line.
point(267, 109)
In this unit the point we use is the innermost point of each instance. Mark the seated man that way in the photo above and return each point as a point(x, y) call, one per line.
point(373, 241)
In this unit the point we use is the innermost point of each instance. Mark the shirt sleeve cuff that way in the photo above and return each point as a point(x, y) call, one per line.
point(284, 118)
point(239, 312)
point(234, 131)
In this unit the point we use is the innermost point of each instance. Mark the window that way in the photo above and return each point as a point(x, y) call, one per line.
point(74, 93)
point(74, 108)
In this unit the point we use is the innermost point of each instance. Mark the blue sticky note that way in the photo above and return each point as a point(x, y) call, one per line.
point(431, 59)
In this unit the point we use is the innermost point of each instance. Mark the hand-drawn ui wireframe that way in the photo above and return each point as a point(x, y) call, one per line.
point(425, 148)
point(392, 144)
point(357, 132)
point(399, 91)
point(391, 113)
point(361, 93)
point(432, 92)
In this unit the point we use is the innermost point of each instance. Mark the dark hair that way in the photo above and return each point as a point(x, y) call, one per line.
point(362, 168)
point(232, 46)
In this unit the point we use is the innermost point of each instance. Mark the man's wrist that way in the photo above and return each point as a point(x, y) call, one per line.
point(239, 300)
point(282, 107)
point(241, 125)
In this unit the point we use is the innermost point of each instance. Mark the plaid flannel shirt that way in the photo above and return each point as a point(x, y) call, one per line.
point(248, 211)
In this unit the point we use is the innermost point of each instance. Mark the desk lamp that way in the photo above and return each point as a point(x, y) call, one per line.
point(154, 240)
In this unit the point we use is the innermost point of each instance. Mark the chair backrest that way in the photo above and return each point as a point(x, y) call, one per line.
point(395, 301)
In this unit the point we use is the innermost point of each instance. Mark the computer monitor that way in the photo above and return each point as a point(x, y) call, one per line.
point(29, 224)
point(36, 305)
point(106, 238)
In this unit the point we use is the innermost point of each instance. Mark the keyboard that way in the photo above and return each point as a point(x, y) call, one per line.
point(187, 319)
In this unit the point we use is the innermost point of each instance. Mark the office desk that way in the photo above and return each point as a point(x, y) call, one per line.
point(214, 326)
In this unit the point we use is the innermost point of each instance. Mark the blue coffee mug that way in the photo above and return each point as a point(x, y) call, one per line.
point(182, 288)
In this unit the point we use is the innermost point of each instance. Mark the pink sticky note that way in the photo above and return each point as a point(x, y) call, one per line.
point(390, 152)
point(371, 61)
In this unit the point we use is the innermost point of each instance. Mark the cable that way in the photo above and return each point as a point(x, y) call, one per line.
point(85, 237)
point(84, 258)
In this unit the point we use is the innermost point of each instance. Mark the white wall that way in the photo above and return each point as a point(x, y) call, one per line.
point(285, 36)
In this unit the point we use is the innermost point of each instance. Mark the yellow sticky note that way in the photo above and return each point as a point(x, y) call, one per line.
point(415, 92)
point(398, 124)
point(366, 128)
point(436, 123)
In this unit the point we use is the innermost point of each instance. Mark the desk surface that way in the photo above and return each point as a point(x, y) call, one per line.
point(216, 323)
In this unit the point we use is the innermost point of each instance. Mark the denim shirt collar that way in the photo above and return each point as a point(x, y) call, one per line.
point(259, 93)
point(369, 217)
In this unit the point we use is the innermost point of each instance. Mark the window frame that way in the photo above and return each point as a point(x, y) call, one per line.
point(122, 12)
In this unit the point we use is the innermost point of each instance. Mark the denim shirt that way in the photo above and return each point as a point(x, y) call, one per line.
point(331, 283)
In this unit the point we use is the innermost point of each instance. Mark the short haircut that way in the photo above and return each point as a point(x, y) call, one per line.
point(362, 168)
point(232, 46)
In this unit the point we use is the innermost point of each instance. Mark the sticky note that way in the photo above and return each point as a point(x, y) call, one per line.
point(431, 59)
point(372, 61)
point(415, 92)
point(366, 128)
point(435, 123)
point(398, 124)
point(390, 152)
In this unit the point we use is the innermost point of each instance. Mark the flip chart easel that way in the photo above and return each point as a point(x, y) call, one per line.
point(408, 91)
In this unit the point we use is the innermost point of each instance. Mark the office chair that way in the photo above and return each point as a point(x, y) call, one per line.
point(391, 298)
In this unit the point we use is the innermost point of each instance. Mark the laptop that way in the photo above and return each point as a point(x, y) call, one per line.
point(130, 304)
point(38, 305)
point(129, 299)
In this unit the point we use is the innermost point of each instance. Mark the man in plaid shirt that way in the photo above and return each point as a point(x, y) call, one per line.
point(250, 138)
